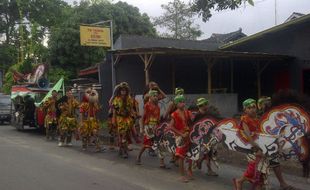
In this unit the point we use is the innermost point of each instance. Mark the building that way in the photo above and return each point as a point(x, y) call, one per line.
point(197, 66)
point(291, 38)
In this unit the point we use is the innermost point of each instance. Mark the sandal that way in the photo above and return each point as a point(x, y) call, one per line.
point(138, 162)
point(184, 179)
point(125, 156)
point(212, 173)
point(190, 175)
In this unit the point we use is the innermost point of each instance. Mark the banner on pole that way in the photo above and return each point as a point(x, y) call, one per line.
point(95, 36)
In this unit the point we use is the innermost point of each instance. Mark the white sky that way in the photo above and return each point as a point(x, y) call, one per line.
point(250, 19)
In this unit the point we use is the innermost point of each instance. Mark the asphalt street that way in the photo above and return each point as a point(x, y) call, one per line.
point(29, 162)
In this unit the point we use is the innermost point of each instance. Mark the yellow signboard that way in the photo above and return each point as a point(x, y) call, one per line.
point(95, 36)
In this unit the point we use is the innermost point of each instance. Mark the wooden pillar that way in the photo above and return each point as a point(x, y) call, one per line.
point(231, 76)
point(259, 89)
point(210, 63)
point(147, 61)
point(259, 71)
point(173, 76)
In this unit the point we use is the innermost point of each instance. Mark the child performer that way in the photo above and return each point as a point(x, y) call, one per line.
point(248, 133)
point(150, 119)
point(180, 121)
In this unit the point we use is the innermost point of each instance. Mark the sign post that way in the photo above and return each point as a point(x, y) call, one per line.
point(94, 35)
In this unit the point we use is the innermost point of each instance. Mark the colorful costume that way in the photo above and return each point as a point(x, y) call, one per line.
point(253, 173)
point(50, 122)
point(150, 120)
point(123, 114)
point(89, 126)
point(182, 125)
point(67, 120)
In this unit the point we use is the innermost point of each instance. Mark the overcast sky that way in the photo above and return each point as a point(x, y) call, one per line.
point(250, 19)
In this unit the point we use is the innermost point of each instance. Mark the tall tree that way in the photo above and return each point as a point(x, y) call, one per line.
point(178, 19)
point(64, 43)
point(204, 7)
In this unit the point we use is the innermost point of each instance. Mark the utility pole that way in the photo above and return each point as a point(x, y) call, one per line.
point(275, 13)
point(101, 23)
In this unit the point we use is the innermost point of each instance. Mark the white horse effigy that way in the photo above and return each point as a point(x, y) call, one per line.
point(283, 129)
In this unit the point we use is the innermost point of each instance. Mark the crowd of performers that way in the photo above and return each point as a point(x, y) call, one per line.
point(125, 123)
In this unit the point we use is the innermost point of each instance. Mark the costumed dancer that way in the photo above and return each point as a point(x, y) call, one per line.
point(123, 111)
point(264, 104)
point(180, 124)
point(161, 95)
point(153, 86)
point(170, 109)
point(68, 119)
point(248, 129)
point(202, 105)
point(150, 119)
point(171, 105)
point(133, 132)
point(89, 124)
point(112, 128)
point(50, 122)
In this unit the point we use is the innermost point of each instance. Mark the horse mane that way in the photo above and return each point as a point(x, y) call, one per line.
point(289, 96)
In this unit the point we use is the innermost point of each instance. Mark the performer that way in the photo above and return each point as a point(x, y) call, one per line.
point(202, 105)
point(123, 112)
point(153, 86)
point(89, 124)
point(248, 130)
point(150, 119)
point(180, 124)
point(50, 121)
point(171, 105)
point(264, 104)
point(167, 116)
point(67, 121)
point(112, 128)
point(133, 132)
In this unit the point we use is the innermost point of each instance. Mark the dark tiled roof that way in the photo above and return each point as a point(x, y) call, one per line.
point(293, 16)
point(133, 41)
point(225, 38)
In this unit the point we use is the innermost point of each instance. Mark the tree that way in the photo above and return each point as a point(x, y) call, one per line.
point(204, 7)
point(24, 25)
point(64, 43)
point(178, 19)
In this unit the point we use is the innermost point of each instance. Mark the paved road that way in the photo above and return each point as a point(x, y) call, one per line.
point(29, 162)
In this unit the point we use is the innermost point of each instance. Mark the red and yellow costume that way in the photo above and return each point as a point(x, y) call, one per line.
point(123, 114)
point(182, 125)
point(89, 126)
point(67, 119)
point(150, 120)
point(252, 123)
point(252, 173)
point(50, 118)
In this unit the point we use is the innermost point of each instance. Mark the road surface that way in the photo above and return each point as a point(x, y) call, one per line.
point(29, 162)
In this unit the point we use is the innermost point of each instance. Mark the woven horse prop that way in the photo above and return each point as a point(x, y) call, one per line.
point(284, 130)
point(203, 136)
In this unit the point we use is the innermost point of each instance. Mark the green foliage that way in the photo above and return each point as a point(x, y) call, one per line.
point(64, 43)
point(55, 73)
point(25, 67)
point(178, 19)
point(204, 7)
point(8, 55)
